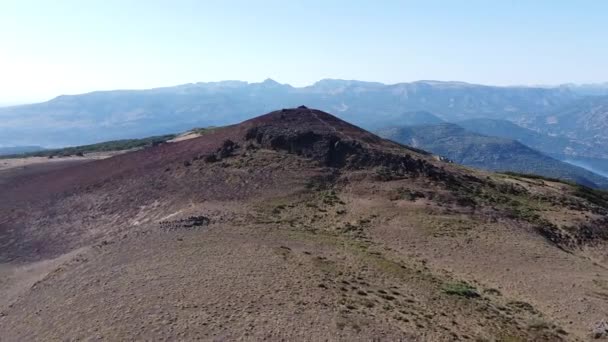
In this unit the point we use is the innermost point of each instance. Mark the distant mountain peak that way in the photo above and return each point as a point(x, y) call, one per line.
point(336, 82)
point(270, 81)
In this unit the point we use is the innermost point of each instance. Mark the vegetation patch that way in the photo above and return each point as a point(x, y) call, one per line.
point(385, 174)
point(597, 197)
point(518, 175)
point(203, 130)
point(406, 194)
point(522, 306)
point(461, 289)
point(108, 146)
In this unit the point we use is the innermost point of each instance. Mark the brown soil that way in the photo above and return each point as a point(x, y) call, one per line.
point(296, 226)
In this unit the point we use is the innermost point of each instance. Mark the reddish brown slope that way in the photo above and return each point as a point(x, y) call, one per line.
point(151, 160)
point(172, 173)
point(309, 219)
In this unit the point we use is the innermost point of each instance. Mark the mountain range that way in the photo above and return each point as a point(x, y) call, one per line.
point(567, 122)
point(584, 120)
point(557, 146)
point(107, 115)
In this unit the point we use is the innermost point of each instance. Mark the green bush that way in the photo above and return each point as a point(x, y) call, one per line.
point(461, 289)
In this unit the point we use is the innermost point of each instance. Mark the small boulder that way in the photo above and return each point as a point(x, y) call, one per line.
point(600, 330)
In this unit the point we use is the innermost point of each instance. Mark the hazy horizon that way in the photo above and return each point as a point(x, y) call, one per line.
point(32, 101)
point(68, 47)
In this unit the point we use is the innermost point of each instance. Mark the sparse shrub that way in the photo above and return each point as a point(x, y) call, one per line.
point(461, 289)
point(384, 174)
point(597, 197)
point(466, 201)
point(369, 304)
point(407, 194)
point(493, 292)
point(277, 210)
point(522, 306)
point(538, 324)
point(387, 297)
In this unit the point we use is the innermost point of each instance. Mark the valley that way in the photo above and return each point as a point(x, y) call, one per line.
point(490, 153)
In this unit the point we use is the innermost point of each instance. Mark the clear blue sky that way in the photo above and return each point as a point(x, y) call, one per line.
point(57, 47)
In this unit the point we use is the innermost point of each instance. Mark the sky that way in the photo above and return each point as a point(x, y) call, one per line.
point(49, 48)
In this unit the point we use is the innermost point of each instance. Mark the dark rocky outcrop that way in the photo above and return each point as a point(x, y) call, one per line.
point(333, 150)
point(192, 222)
point(228, 148)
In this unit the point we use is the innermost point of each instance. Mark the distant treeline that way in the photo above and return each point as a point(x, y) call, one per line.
point(108, 146)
